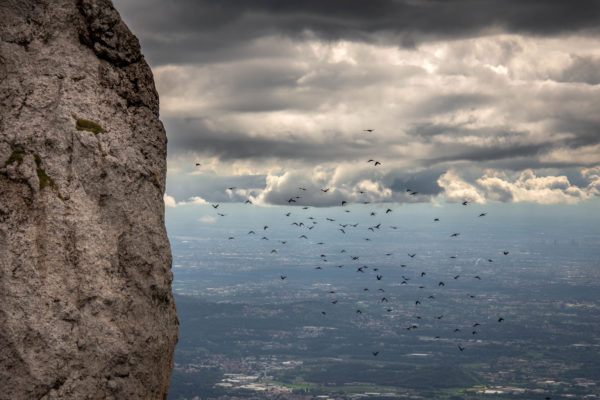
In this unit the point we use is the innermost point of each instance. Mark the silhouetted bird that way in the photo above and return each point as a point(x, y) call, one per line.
point(358, 312)
point(198, 164)
point(500, 319)
point(389, 210)
point(302, 237)
point(483, 214)
point(412, 255)
point(291, 200)
point(334, 302)
point(375, 353)
point(344, 203)
point(379, 277)
point(477, 277)
point(383, 299)
point(506, 252)
point(454, 234)
point(422, 274)
point(368, 130)
point(464, 203)
point(325, 190)
point(417, 303)
point(251, 233)
point(265, 228)
point(377, 163)
point(215, 205)
point(436, 220)
point(461, 348)
point(441, 284)
point(248, 202)
point(273, 251)
point(323, 312)
point(283, 277)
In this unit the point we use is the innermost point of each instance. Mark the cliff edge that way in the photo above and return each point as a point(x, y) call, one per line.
point(86, 310)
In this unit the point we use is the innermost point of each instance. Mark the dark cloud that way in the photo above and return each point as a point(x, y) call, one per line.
point(582, 69)
point(210, 26)
point(196, 135)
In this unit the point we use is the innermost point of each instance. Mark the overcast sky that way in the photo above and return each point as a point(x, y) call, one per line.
point(468, 100)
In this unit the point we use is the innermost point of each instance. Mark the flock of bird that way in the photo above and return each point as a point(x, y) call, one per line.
point(310, 222)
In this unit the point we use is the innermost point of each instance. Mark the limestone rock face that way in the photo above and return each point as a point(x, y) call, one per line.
point(86, 310)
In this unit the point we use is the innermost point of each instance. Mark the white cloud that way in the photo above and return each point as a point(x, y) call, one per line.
point(169, 201)
point(207, 219)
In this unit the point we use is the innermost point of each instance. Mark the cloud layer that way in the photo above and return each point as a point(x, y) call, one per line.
point(494, 101)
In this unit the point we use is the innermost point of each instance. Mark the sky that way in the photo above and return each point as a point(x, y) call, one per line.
point(477, 100)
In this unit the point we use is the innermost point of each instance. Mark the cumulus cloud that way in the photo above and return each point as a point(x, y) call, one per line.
point(170, 201)
point(524, 186)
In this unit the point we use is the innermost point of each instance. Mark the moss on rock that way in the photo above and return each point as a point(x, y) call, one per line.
point(82, 124)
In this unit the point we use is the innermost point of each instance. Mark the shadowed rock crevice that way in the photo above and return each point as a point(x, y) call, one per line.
point(86, 310)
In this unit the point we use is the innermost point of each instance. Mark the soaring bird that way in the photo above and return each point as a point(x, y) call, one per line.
point(461, 348)
point(325, 190)
point(265, 227)
point(483, 214)
point(354, 257)
point(334, 302)
point(302, 237)
point(323, 312)
point(291, 200)
point(384, 299)
point(500, 319)
point(412, 255)
point(477, 277)
point(417, 303)
point(283, 277)
point(273, 251)
point(215, 205)
point(198, 164)
point(375, 353)
point(220, 215)
point(377, 163)
point(389, 210)
point(231, 188)
point(288, 214)
point(422, 274)
point(368, 130)
point(505, 252)
point(343, 231)
point(344, 203)
point(466, 202)
point(302, 188)
point(379, 277)
point(441, 284)
point(436, 220)
point(358, 312)
point(248, 202)
point(455, 235)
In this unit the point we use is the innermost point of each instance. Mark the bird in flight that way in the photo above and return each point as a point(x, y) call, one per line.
point(325, 190)
point(283, 277)
point(215, 205)
point(291, 200)
point(505, 252)
point(377, 163)
point(500, 319)
point(466, 202)
point(455, 235)
point(375, 353)
point(198, 164)
point(389, 210)
point(368, 130)
point(412, 255)
point(436, 220)
point(379, 277)
point(483, 214)
point(461, 348)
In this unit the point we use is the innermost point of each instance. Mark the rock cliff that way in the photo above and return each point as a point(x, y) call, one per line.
point(86, 310)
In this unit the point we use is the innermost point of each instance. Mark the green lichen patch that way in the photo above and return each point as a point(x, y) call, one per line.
point(15, 157)
point(82, 124)
point(45, 180)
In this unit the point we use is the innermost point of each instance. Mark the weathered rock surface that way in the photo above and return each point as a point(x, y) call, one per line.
point(86, 310)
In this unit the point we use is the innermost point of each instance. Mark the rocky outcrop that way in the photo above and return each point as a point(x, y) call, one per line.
point(86, 310)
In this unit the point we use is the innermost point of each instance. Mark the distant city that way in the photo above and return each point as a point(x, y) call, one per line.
point(506, 309)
